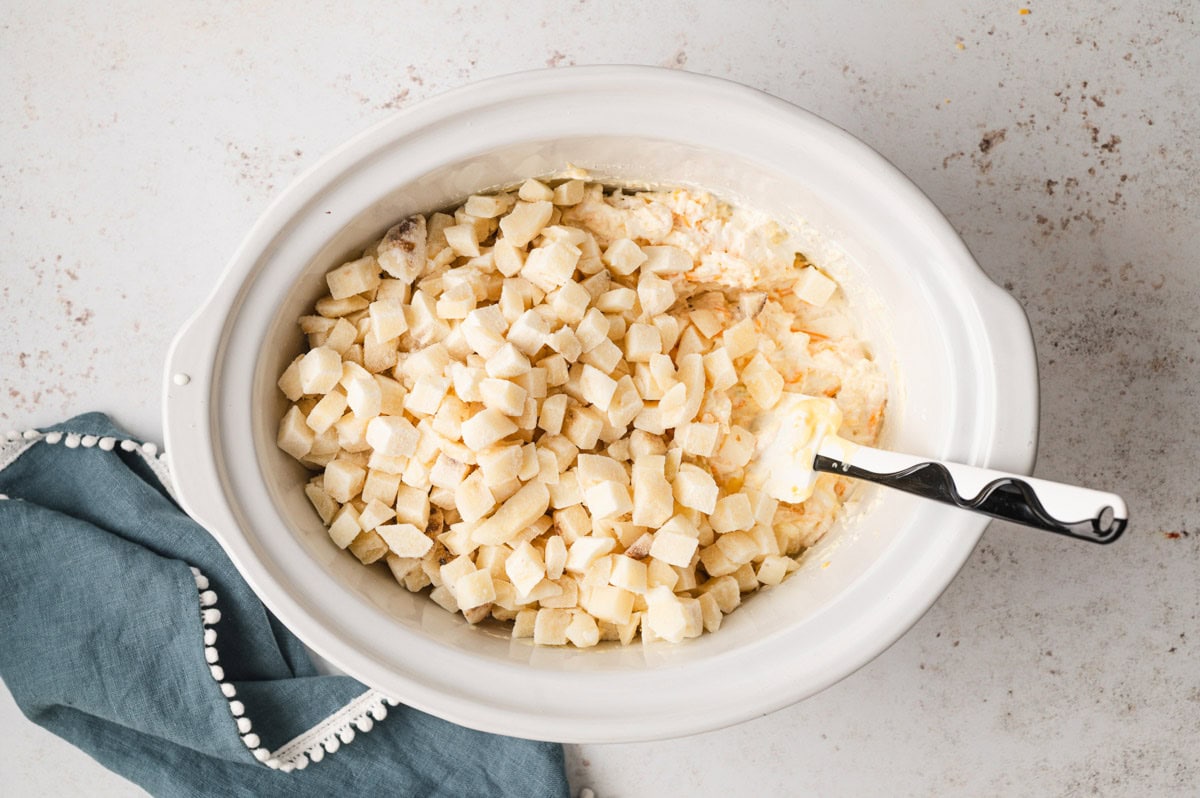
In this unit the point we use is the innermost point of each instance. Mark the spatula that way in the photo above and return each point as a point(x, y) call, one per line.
point(798, 438)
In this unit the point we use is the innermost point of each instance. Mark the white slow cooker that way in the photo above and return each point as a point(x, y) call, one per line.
point(957, 351)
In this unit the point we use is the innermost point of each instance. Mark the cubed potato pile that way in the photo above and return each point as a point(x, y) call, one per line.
point(536, 418)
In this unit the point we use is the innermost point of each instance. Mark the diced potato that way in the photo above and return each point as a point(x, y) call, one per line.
point(474, 590)
point(738, 547)
point(814, 287)
point(392, 435)
point(550, 627)
point(568, 193)
point(607, 500)
point(472, 497)
point(343, 479)
point(741, 339)
point(507, 362)
point(405, 540)
point(403, 249)
point(764, 383)
point(374, 514)
point(666, 260)
point(673, 548)
point(502, 395)
point(732, 513)
point(551, 265)
point(486, 428)
point(608, 603)
point(665, 614)
point(528, 333)
point(569, 302)
point(518, 512)
point(368, 547)
point(354, 277)
point(344, 528)
point(694, 487)
point(655, 294)
point(628, 574)
point(295, 435)
point(320, 369)
point(586, 550)
point(525, 221)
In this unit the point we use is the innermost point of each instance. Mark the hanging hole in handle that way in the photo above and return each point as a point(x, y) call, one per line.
point(1105, 520)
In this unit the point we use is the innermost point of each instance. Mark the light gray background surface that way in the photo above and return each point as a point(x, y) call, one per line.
point(139, 142)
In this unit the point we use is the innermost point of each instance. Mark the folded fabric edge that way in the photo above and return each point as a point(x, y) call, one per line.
point(311, 746)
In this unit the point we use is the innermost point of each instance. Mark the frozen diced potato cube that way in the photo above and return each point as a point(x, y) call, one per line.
point(403, 249)
point(368, 547)
point(718, 366)
point(604, 356)
point(344, 479)
point(597, 387)
point(673, 548)
point(738, 547)
point(628, 574)
point(525, 568)
point(344, 528)
point(569, 302)
point(374, 514)
point(568, 193)
point(387, 320)
point(607, 500)
point(608, 603)
point(555, 557)
point(566, 343)
point(586, 550)
point(515, 515)
point(665, 614)
point(507, 362)
point(528, 333)
point(325, 506)
point(320, 369)
point(623, 256)
point(550, 627)
point(655, 294)
point(503, 395)
point(352, 278)
point(814, 287)
point(551, 265)
point(295, 435)
point(526, 221)
point(666, 260)
point(741, 339)
point(592, 330)
point(764, 383)
point(737, 447)
point(392, 435)
point(773, 569)
point(694, 487)
point(474, 589)
point(488, 206)
point(535, 191)
point(380, 486)
point(582, 426)
point(412, 506)
point(472, 497)
point(485, 428)
point(732, 513)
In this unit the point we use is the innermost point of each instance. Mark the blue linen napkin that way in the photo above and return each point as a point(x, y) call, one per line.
point(125, 630)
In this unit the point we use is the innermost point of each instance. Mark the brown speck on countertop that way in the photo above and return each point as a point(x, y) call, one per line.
point(991, 139)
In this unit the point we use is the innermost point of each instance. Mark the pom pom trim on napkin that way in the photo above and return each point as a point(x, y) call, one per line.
point(311, 746)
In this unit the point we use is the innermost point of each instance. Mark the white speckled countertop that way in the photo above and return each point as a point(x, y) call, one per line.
point(140, 142)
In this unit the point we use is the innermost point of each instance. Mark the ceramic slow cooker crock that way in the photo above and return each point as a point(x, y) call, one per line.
point(957, 351)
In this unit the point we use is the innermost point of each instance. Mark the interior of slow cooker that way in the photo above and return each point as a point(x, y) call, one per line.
point(896, 316)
